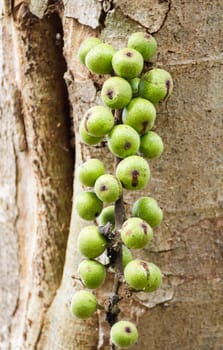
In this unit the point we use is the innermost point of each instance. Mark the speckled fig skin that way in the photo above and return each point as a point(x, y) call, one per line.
point(151, 145)
point(156, 85)
point(116, 92)
point(83, 304)
point(144, 43)
point(99, 59)
point(155, 278)
point(108, 188)
point(91, 242)
point(136, 274)
point(89, 171)
point(133, 172)
point(126, 256)
point(148, 209)
point(136, 233)
point(124, 334)
point(127, 63)
point(140, 114)
point(86, 46)
point(107, 215)
point(98, 121)
point(88, 205)
point(92, 273)
point(86, 138)
point(123, 141)
point(135, 86)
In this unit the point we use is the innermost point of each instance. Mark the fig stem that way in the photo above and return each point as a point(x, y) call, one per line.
point(116, 250)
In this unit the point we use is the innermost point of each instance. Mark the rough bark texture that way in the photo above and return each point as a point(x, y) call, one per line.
point(39, 226)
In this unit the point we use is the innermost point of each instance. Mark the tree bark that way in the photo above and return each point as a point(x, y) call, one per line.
point(44, 94)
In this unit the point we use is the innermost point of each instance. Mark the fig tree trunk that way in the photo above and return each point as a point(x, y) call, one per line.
point(44, 94)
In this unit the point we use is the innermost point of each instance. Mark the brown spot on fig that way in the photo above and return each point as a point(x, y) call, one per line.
point(145, 229)
point(167, 89)
point(127, 145)
point(129, 54)
point(144, 265)
point(103, 188)
point(135, 175)
point(128, 330)
point(144, 127)
point(110, 94)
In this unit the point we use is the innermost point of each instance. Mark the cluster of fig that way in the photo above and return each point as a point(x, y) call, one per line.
point(125, 120)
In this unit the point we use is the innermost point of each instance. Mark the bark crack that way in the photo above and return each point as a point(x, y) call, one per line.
point(165, 18)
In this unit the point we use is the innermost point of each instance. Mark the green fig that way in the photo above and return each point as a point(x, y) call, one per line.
point(124, 334)
point(135, 86)
point(108, 188)
point(151, 145)
point(99, 59)
point(155, 278)
point(133, 172)
point(136, 233)
point(92, 273)
point(89, 171)
point(98, 121)
point(156, 85)
point(126, 256)
point(127, 63)
point(137, 274)
point(86, 46)
point(86, 138)
point(123, 141)
point(88, 205)
point(107, 215)
point(144, 43)
point(116, 92)
point(91, 242)
point(140, 114)
point(148, 209)
point(83, 304)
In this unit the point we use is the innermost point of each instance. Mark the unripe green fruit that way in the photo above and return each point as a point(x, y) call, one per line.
point(91, 242)
point(148, 209)
point(155, 278)
point(140, 114)
point(127, 63)
point(99, 59)
point(137, 274)
point(126, 256)
point(135, 86)
point(88, 205)
point(144, 43)
point(86, 46)
point(89, 171)
point(107, 215)
point(92, 273)
point(124, 334)
point(108, 188)
point(136, 233)
point(83, 304)
point(98, 121)
point(123, 141)
point(86, 138)
point(151, 145)
point(116, 92)
point(156, 85)
point(133, 172)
